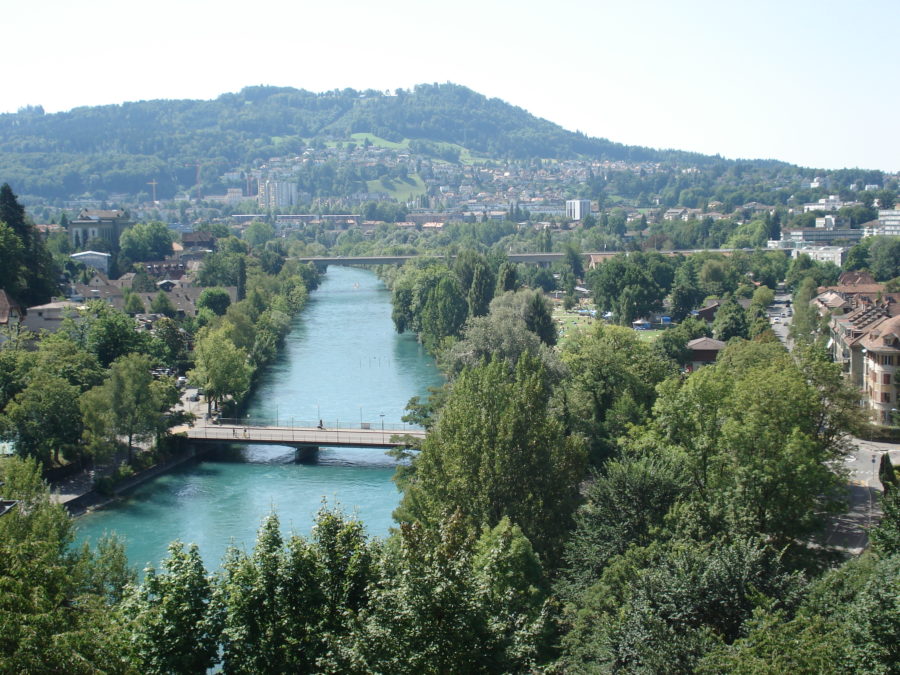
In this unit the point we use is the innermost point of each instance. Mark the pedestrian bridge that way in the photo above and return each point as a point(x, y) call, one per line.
point(245, 432)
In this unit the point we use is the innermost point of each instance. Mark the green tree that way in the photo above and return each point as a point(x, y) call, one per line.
point(532, 307)
point(660, 609)
point(444, 312)
point(55, 616)
point(221, 368)
point(481, 291)
point(447, 603)
point(625, 504)
point(755, 438)
point(133, 304)
point(884, 254)
point(173, 627)
point(27, 264)
point(105, 332)
point(805, 323)
point(146, 241)
point(162, 304)
point(43, 421)
point(497, 451)
point(288, 608)
point(216, 300)
point(174, 342)
point(611, 384)
point(129, 403)
point(730, 321)
point(507, 279)
point(59, 355)
point(886, 536)
point(258, 233)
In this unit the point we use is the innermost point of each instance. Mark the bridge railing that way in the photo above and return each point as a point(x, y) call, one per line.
point(293, 423)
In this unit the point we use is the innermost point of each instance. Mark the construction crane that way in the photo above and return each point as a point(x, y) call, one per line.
point(153, 184)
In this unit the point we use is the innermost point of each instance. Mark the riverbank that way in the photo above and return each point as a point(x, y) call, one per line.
point(342, 362)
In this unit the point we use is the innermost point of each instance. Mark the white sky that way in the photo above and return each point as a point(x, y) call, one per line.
point(812, 83)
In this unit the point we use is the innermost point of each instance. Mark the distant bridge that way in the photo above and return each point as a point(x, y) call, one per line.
point(233, 431)
point(530, 258)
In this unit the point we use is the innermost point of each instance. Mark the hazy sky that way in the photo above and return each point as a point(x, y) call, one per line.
point(812, 83)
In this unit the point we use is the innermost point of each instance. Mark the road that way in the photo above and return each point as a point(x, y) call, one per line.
point(782, 326)
point(849, 531)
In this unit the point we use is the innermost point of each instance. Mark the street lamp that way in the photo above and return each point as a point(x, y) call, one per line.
point(382, 426)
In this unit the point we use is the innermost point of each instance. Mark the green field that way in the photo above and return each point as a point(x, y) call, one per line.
point(400, 190)
point(379, 142)
point(648, 335)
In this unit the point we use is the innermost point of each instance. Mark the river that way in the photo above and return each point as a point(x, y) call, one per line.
point(342, 363)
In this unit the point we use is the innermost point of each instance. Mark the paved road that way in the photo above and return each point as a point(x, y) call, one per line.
point(782, 326)
point(849, 531)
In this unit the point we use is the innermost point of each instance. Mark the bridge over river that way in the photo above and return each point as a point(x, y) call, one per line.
point(248, 432)
point(543, 259)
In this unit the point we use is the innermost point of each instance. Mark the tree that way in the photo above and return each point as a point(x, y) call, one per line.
point(506, 278)
point(215, 299)
point(55, 614)
point(447, 602)
point(27, 264)
point(532, 307)
point(258, 233)
point(59, 355)
point(805, 322)
point(884, 253)
point(444, 312)
point(661, 608)
point(730, 321)
point(129, 403)
point(499, 335)
point(133, 304)
point(497, 451)
point(12, 252)
point(105, 332)
point(481, 291)
point(625, 504)
point(174, 342)
point(43, 420)
point(755, 439)
point(611, 384)
point(146, 241)
point(173, 627)
point(286, 608)
point(162, 304)
point(221, 368)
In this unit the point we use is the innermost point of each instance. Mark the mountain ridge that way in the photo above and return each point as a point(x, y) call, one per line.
point(61, 154)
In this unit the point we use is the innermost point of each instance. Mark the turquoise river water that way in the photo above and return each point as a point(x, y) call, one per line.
point(342, 363)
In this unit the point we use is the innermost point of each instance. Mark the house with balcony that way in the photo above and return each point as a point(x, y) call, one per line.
point(881, 347)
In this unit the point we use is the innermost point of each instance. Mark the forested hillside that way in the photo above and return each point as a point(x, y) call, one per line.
point(121, 147)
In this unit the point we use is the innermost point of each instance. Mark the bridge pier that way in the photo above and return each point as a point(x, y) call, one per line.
point(306, 454)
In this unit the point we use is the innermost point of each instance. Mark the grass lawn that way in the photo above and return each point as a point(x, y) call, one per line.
point(379, 142)
point(568, 322)
point(648, 335)
point(400, 190)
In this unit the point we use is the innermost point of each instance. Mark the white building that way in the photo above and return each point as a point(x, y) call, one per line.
point(578, 209)
point(277, 194)
point(832, 254)
point(830, 203)
point(96, 259)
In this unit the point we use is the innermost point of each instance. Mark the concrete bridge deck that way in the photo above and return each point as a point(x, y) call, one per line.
point(301, 436)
